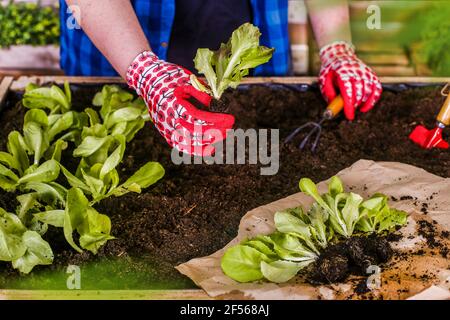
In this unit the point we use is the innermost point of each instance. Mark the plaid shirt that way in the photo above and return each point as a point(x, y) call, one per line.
point(80, 57)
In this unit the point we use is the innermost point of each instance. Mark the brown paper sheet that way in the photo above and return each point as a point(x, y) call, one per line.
point(421, 272)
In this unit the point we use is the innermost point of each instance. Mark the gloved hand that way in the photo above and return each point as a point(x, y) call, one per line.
point(166, 88)
point(357, 83)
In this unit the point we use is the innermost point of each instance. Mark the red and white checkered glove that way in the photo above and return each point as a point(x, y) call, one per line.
point(166, 88)
point(357, 83)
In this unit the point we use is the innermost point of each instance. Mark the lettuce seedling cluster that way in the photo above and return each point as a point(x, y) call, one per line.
point(33, 164)
point(301, 236)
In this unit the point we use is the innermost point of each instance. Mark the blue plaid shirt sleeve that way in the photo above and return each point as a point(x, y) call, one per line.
point(79, 56)
point(271, 17)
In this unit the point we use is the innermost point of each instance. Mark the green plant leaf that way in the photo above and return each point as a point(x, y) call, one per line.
point(11, 230)
point(75, 214)
point(128, 129)
point(335, 186)
point(52, 98)
point(227, 66)
point(51, 193)
point(243, 263)
point(27, 202)
point(93, 116)
point(35, 133)
point(287, 223)
point(95, 231)
point(96, 186)
point(52, 217)
point(376, 216)
point(73, 180)
point(262, 247)
point(123, 115)
point(392, 219)
point(90, 145)
point(9, 160)
point(59, 96)
point(40, 98)
point(318, 218)
point(38, 252)
point(204, 65)
point(115, 158)
point(350, 211)
point(68, 92)
point(63, 123)
point(56, 149)
point(98, 130)
point(36, 139)
point(281, 271)
point(147, 175)
point(308, 187)
point(37, 116)
point(17, 148)
point(46, 172)
point(8, 179)
point(289, 247)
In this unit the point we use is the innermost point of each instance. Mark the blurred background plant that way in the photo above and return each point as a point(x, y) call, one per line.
point(28, 24)
point(430, 32)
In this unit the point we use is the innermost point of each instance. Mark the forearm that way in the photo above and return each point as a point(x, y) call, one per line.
point(330, 20)
point(113, 27)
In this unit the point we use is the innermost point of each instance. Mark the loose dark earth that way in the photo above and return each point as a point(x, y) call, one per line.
point(195, 210)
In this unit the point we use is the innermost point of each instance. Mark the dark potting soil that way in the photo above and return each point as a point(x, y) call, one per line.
point(195, 209)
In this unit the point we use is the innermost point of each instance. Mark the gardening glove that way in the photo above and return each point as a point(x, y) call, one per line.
point(166, 89)
point(357, 83)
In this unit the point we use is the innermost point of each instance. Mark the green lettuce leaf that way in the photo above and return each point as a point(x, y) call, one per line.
point(243, 263)
point(227, 66)
point(38, 252)
point(281, 271)
point(46, 172)
point(18, 149)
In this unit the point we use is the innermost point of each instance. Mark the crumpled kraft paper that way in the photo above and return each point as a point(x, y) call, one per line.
point(422, 272)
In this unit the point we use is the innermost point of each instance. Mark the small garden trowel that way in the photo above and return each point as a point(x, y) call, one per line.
point(428, 139)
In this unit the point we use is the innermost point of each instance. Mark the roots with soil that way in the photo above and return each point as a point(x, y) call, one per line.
point(351, 256)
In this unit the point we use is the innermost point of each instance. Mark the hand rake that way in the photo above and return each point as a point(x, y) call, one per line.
point(333, 109)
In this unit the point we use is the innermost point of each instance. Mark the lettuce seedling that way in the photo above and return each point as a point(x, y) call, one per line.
point(103, 145)
point(343, 208)
point(376, 216)
point(226, 67)
point(24, 248)
point(278, 257)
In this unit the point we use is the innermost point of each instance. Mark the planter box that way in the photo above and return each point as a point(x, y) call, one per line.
point(8, 85)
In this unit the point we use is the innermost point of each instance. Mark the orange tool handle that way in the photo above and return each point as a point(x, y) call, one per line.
point(334, 108)
point(444, 114)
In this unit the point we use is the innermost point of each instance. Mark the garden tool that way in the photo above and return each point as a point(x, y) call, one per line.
point(428, 139)
point(333, 109)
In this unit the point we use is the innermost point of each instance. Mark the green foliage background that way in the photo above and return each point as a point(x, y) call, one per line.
point(435, 36)
point(28, 23)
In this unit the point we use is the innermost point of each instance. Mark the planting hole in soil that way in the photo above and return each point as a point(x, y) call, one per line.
point(195, 209)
